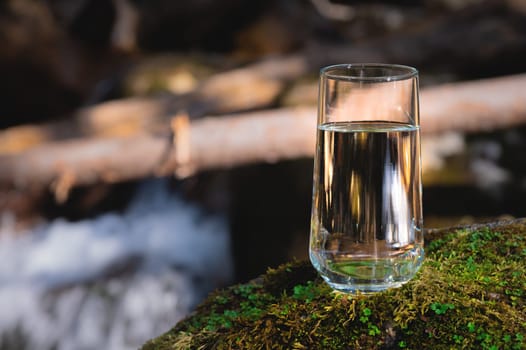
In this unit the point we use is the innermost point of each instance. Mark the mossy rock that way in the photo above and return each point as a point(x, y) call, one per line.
point(469, 294)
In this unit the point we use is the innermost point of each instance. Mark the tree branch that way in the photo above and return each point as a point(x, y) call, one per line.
point(231, 140)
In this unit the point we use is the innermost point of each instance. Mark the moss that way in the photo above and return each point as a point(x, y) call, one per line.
point(469, 294)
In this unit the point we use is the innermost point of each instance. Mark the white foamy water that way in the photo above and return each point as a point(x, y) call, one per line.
point(111, 282)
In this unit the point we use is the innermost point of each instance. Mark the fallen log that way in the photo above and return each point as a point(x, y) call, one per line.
point(253, 87)
point(475, 106)
point(228, 141)
point(203, 144)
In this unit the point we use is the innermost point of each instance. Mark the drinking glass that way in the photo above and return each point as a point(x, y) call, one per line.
point(366, 222)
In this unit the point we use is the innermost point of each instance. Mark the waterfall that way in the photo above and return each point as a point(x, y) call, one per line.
point(114, 281)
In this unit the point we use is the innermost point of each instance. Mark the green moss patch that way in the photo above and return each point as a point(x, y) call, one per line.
point(469, 294)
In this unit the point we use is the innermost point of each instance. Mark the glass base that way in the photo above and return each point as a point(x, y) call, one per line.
point(363, 288)
point(367, 276)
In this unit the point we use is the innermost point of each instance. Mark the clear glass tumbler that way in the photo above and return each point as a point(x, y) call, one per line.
point(366, 222)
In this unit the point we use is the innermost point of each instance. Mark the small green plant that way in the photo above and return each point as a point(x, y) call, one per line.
point(440, 308)
point(519, 337)
point(304, 292)
point(470, 264)
point(402, 344)
point(373, 329)
point(250, 311)
point(483, 336)
point(436, 244)
point(245, 290)
point(366, 312)
point(216, 321)
point(221, 299)
point(458, 339)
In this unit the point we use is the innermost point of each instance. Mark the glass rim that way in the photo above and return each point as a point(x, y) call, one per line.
point(399, 72)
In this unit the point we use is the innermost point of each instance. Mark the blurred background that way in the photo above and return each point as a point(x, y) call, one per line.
point(97, 258)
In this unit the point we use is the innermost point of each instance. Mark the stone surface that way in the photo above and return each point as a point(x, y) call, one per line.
point(470, 294)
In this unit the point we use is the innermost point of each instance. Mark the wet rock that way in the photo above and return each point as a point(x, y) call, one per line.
point(451, 302)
